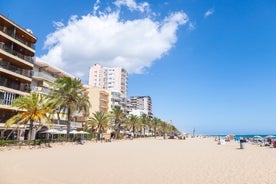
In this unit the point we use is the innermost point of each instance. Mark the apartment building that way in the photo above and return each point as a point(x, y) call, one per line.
point(17, 48)
point(114, 79)
point(141, 105)
point(43, 75)
point(99, 100)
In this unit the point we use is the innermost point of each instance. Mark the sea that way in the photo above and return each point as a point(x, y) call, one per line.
point(245, 136)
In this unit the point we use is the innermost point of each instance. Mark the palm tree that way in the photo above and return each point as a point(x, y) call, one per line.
point(155, 124)
point(144, 122)
point(99, 120)
point(133, 122)
point(36, 110)
point(118, 115)
point(68, 96)
point(164, 128)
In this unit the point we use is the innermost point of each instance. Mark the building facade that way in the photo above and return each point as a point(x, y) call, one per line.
point(17, 48)
point(99, 100)
point(43, 75)
point(141, 105)
point(115, 78)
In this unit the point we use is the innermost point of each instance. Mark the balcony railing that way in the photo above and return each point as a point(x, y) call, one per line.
point(5, 64)
point(15, 53)
point(6, 98)
point(43, 75)
point(40, 89)
point(11, 34)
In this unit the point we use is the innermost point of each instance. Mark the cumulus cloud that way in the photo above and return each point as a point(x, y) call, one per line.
point(107, 40)
point(132, 5)
point(208, 13)
point(96, 7)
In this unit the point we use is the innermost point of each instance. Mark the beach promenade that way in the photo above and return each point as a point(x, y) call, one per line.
point(141, 161)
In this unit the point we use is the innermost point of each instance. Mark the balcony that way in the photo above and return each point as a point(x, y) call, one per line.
point(4, 47)
point(6, 98)
point(40, 89)
point(6, 65)
point(10, 32)
point(43, 76)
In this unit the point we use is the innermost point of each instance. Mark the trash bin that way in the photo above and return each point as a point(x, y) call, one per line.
point(242, 143)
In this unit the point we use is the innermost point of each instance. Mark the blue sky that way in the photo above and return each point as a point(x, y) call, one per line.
point(208, 65)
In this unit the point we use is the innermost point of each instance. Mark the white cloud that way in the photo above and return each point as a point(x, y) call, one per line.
point(132, 5)
point(96, 7)
point(191, 26)
point(107, 40)
point(209, 12)
point(58, 25)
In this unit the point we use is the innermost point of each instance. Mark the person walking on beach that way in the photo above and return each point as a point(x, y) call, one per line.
point(101, 136)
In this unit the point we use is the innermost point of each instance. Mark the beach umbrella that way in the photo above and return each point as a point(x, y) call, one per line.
point(52, 131)
point(63, 132)
point(74, 132)
point(83, 132)
point(270, 136)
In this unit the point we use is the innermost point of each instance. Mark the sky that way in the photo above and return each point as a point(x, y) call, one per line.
point(207, 65)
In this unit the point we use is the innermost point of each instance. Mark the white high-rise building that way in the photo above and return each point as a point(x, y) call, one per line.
point(115, 78)
point(141, 105)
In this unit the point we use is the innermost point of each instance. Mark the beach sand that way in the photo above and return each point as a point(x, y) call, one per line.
point(143, 161)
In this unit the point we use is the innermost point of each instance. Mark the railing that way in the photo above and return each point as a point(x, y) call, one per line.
point(5, 102)
point(10, 84)
point(8, 98)
point(13, 68)
point(40, 89)
point(11, 34)
point(15, 53)
point(43, 75)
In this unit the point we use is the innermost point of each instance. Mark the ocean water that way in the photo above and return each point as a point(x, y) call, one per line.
point(245, 136)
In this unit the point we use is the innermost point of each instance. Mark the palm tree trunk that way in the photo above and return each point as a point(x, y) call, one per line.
point(144, 133)
point(155, 132)
point(68, 124)
point(30, 135)
point(133, 130)
point(117, 132)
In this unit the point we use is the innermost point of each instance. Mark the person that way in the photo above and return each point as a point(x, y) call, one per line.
point(101, 136)
point(132, 135)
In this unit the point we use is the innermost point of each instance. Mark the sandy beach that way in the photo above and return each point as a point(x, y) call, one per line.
point(143, 161)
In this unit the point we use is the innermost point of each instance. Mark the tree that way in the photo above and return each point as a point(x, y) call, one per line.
point(133, 122)
point(164, 128)
point(36, 112)
point(68, 96)
point(144, 122)
point(118, 115)
point(155, 124)
point(99, 120)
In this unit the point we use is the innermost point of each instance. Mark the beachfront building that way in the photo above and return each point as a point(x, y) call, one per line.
point(115, 80)
point(117, 100)
point(17, 48)
point(99, 100)
point(43, 75)
point(141, 105)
